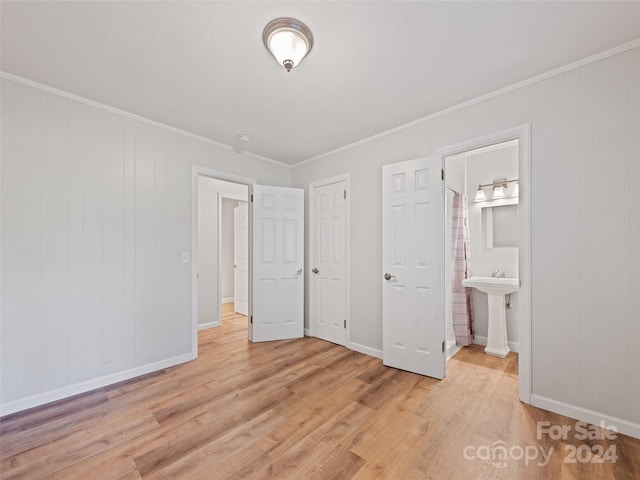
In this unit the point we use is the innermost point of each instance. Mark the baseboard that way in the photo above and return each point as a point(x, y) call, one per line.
point(204, 326)
point(623, 426)
point(452, 350)
point(373, 352)
point(86, 386)
point(227, 300)
point(479, 340)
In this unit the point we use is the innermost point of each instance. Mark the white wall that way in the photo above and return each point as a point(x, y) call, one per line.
point(585, 195)
point(96, 211)
point(226, 251)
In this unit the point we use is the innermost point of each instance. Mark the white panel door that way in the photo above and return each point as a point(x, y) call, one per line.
point(241, 258)
point(412, 281)
point(277, 216)
point(328, 263)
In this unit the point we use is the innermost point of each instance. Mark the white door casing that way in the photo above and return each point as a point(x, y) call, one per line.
point(523, 134)
point(413, 322)
point(277, 259)
point(241, 259)
point(328, 262)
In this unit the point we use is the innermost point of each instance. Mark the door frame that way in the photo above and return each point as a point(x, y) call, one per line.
point(229, 196)
point(522, 133)
point(346, 178)
point(196, 171)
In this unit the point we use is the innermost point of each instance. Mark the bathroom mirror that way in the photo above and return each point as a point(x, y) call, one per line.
point(500, 224)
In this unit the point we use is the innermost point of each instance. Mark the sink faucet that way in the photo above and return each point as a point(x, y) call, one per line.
point(498, 274)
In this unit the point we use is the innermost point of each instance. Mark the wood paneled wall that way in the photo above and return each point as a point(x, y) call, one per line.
point(585, 203)
point(96, 211)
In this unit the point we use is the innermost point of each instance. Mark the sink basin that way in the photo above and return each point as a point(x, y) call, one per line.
point(495, 288)
point(493, 285)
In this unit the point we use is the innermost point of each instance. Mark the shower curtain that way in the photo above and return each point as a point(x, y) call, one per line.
point(461, 298)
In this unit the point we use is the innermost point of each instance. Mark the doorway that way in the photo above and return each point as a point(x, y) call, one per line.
point(275, 259)
point(481, 240)
point(215, 233)
point(483, 166)
point(413, 258)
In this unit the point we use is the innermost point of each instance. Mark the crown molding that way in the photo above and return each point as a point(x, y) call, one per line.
point(496, 93)
point(132, 116)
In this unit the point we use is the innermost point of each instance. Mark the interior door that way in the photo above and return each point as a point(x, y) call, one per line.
point(328, 307)
point(412, 280)
point(277, 259)
point(241, 258)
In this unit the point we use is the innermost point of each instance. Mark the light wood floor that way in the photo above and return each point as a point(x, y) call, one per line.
point(298, 409)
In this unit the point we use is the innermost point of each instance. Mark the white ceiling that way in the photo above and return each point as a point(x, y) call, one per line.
point(201, 66)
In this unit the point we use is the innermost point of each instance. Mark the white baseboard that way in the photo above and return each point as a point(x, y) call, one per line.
point(204, 326)
point(479, 340)
point(373, 352)
point(452, 350)
point(86, 386)
point(623, 426)
point(227, 300)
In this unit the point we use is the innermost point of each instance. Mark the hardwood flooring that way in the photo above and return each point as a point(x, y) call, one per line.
point(303, 409)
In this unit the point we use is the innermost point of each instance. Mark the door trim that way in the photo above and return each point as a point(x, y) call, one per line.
point(346, 178)
point(196, 171)
point(522, 133)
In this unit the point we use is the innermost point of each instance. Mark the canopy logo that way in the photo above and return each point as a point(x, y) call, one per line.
point(499, 453)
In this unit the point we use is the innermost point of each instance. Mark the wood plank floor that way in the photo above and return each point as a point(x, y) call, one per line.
point(302, 409)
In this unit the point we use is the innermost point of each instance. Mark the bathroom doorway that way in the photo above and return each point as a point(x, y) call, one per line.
point(486, 234)
point(481, 240)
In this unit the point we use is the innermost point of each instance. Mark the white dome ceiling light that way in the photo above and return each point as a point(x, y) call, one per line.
point(289, 41)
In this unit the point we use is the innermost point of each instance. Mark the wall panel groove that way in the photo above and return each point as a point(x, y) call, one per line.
point(96, 208)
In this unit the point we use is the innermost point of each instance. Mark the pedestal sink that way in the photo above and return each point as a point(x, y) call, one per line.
point(495, 288)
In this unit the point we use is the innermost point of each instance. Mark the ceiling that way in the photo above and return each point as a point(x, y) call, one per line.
point(201, 66)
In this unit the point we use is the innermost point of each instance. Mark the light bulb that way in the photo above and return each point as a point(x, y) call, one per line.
point(480, 196)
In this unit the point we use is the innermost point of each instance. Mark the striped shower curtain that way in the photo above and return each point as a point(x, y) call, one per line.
point(461, 298)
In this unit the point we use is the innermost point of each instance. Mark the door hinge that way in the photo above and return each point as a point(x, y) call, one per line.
point(252, 198)
point(345, 194)
point(442, 346)
point(442, 173)
point(251, 319)
point(345, 323)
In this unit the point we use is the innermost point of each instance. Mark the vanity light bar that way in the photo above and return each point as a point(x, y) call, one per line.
point(499, 182)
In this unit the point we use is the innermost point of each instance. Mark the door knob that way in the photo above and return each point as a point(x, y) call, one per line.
point(299, 272)
point(388, 276)
point(315, 270)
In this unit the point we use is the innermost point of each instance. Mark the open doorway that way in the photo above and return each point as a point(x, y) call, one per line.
point(486, 229)
point(216, 287)
point(275, 270)
point(481, 240)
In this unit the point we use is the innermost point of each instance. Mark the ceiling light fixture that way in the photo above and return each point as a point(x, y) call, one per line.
point(289, 41)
